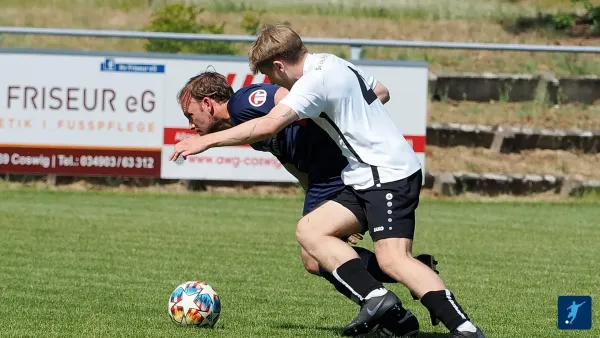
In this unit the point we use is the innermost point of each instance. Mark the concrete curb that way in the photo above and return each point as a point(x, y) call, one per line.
point(441, 183)
point(509, 139)
point(455, 183)
point(486, 87)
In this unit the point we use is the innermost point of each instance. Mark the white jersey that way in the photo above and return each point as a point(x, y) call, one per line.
point(340, 98)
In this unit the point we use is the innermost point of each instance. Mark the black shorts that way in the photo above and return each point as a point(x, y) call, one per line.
point(389, 210)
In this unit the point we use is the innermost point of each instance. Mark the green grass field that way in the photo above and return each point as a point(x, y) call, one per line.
point(102, 264)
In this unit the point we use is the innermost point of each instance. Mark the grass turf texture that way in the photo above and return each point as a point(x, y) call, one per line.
point(526, 114)
point(103, 264)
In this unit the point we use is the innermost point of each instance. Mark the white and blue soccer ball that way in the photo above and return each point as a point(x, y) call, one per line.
point(194, 303)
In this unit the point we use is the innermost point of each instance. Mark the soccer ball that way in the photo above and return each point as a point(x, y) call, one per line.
point(194, 303)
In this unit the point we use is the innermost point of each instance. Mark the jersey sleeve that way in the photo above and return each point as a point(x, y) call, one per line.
point(369, 80)
point(307, 97)
point(244, 107)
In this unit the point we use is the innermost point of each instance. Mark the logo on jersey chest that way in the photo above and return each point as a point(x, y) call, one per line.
point(258, 97)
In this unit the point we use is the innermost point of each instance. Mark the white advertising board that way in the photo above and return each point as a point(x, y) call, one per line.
point(407, 83)
point(80, 114)
point(116, 114)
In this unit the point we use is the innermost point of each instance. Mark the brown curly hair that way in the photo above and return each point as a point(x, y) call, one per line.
point(206, 84)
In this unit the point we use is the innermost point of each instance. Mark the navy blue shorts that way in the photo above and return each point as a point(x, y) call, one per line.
point(318, 193)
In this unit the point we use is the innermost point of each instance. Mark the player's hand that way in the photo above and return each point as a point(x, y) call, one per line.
point(355, 238)
point(190, 146)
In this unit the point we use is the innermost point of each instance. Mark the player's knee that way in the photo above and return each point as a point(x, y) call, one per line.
point(310, 264)
point(388, 265)
point(392, 255)
point(398, 267)
point(304, 233)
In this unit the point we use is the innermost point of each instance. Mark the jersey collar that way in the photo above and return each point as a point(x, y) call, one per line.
point(308, 63)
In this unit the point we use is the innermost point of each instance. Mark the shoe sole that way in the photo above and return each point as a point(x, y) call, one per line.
point(414, 327)
point(410, 334)
point(480, 334)
point(374, 333)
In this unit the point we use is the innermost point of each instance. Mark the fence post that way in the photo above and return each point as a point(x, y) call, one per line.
point(355, 52)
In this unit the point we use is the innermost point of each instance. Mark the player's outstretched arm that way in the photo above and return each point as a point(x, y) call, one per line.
point(244, 133)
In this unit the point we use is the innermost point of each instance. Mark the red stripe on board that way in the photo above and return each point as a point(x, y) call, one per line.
point(248, 80)
point(417, 142)
point(230, 78)
point(173, 135)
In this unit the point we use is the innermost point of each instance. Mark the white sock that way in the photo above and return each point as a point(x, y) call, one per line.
point(467, 326)
point(376, 293)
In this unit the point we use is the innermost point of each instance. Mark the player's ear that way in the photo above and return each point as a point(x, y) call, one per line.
point(207, 104)
point(278, 66)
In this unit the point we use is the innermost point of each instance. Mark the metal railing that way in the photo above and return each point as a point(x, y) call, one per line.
point(355, 44)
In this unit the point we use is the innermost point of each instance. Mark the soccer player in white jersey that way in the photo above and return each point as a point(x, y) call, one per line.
point(383, 175)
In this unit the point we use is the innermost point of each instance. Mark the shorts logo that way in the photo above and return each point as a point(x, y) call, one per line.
point(378, 229)
point(258, 97)
point(389, 196)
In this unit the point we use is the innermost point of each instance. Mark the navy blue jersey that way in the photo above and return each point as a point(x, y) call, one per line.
point(303, 143)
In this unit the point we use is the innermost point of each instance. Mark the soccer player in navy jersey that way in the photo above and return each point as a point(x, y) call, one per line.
point(304, 149)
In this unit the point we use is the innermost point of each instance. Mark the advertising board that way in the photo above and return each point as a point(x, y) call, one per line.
point(83, 115)
point(94, 113)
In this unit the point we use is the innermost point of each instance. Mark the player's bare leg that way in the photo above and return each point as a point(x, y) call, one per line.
point(312, 266)
point(310, 263)
point(367, 257)
point(395, 258)
point(318, 233)
point(311, 232)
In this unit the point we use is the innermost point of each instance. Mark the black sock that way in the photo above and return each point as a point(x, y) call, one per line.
point(354, 275)
point(370, 260)
point(445, 307)
point(338, 286)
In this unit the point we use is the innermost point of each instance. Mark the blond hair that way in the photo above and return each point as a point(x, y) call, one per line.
point(277, 42)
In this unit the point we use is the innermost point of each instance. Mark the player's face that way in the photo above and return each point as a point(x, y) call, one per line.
point(199, 116)
point(204, 117)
